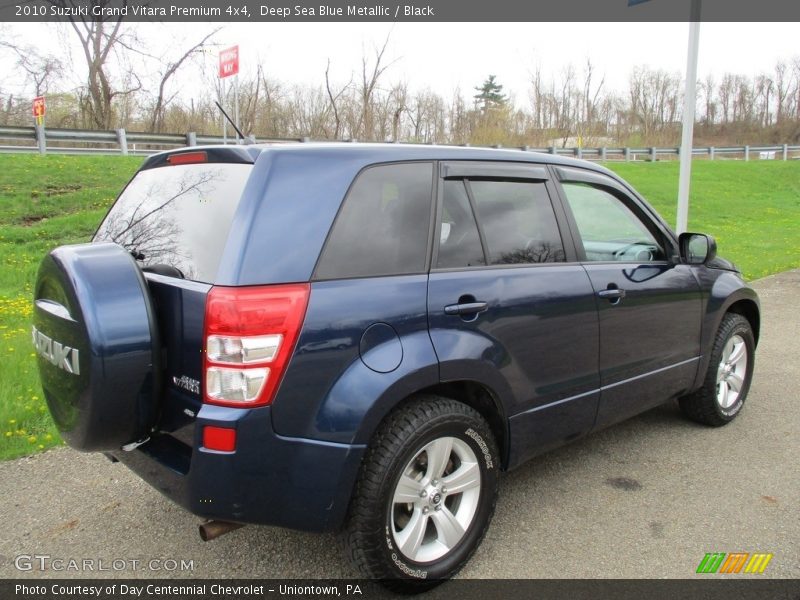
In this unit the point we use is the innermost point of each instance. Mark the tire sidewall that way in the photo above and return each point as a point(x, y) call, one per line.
point(476, 435)
point(741, 328)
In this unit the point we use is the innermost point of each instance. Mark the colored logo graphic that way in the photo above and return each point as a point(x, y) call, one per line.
point(735, 562)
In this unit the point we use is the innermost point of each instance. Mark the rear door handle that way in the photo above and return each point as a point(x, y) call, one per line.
point(467, 308)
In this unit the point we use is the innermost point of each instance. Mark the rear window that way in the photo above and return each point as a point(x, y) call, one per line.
point(177, 217)
point(383, 225)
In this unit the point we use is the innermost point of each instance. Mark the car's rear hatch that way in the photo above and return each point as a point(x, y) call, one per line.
point(174, 218)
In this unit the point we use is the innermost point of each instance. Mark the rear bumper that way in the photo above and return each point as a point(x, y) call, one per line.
point(269, 479)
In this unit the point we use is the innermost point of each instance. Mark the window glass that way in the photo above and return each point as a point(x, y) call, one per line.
point(518, 222)
point(459, 242)
point(177, 217)
point(610, 231)
point(382, 227)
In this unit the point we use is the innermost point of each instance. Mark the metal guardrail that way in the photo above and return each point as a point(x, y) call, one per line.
point(119, 141)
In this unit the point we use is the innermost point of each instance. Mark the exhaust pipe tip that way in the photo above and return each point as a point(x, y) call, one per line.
point(211, 530)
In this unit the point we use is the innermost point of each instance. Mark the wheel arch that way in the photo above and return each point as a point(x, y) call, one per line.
point(474, 394)
point(741, 300)
point(484, 401)
point(750, 311)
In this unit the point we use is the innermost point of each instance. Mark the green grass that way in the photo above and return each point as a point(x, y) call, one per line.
point(753, 209)
point(44, 202)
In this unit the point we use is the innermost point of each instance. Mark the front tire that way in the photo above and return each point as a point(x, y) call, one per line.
point(730, 370)
point(425, 494)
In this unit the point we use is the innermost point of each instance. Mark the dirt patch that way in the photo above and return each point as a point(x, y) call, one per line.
point(56, 190)
point(28, 220)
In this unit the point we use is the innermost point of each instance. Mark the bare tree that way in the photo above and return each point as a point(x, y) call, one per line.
point(170, 68)
point(708, 86)
point(395, 106)
point(537, 98)
point(99, 36)
point(590, 97)
point(458, 118)
point(726, 92)
point(796, 92)
point(563, 102)
point(333, 98)
point(370, 75)
point(271, 115)
point(43, 70)
point(655, 102)
point(762, 94)
point(782, 90)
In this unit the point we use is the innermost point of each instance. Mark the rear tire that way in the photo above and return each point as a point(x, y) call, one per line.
point(727, 381)
point(405, 526)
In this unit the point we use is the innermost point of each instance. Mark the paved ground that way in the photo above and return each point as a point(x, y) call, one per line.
point(647, 498)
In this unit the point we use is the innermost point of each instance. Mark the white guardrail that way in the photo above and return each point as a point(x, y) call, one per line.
point(85, 141)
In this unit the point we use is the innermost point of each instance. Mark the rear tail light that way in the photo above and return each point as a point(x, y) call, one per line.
point(235, 385)
point(250, 334)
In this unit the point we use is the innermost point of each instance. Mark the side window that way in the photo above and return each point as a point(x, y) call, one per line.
point(518, 222)
point(459, 242)
point(609, 230)
point(382, 227)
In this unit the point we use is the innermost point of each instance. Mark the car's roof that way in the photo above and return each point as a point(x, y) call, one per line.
point(401, 151)
point(367, 153)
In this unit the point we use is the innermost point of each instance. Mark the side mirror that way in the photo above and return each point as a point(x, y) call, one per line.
point(697, 248)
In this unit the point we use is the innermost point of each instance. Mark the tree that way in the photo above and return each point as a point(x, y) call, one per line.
point(491, 119)
point(590, 97)
point(98, 39)
point(370, 75)
point(490, 95)
point(170, 68)
point(333, 98)
point(708, 86)
point(41, 69)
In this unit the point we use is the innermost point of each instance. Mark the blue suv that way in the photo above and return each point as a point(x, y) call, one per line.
point(360, 337)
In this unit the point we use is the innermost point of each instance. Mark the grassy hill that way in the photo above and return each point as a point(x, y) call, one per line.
point(44, 202)
point(753, 209)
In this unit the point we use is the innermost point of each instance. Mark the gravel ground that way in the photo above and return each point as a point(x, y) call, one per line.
point(644, 499)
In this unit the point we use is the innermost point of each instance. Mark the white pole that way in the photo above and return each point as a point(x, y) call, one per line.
point(236, 104)
point(224, 120)
point(689, 101)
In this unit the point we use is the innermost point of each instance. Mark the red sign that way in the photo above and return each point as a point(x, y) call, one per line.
point(229, 62)
point(38, 106)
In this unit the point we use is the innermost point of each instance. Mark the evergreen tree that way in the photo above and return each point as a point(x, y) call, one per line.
point(490, 95)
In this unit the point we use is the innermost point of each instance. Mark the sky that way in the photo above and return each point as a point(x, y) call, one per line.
point(446, 56)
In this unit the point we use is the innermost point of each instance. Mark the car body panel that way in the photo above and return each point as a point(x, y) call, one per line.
point(328, 392)
point(722, 291)
point(536, 344)
point(270, 479)
point(649, 340)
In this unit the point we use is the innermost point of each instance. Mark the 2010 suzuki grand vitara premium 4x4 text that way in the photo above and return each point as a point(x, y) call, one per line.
point(360, 337)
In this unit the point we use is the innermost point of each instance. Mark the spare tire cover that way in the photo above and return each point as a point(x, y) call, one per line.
point(97, 346)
